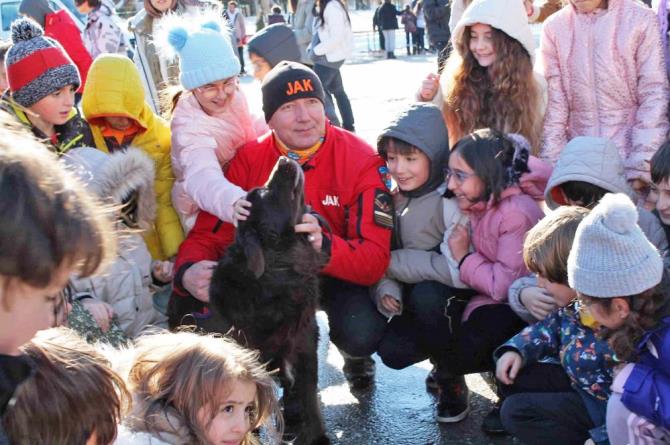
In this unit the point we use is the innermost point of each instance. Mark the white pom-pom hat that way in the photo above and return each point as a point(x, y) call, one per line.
point(611, 256)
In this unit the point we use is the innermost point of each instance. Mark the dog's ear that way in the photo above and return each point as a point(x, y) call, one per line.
point(254, 253)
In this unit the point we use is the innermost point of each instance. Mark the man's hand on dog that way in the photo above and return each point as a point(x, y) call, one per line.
point(241, 210)
point(310, 226)
point(197, 278)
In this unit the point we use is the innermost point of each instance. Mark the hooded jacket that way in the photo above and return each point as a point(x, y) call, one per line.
point(59, 26)
point(497, 233)
point(596, 161)
point(200, 152)
point(275, 43)
point(115, 89)
point(606, 78)
point(424, 219)
point(126, 284)
point(169, 427)
point(508, 16)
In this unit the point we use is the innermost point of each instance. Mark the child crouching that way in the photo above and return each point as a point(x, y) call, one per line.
point(118, 303)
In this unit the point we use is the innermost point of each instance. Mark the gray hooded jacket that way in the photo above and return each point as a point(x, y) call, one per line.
point(424, 218)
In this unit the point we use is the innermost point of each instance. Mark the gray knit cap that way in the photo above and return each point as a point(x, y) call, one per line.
point(36, 65)
point(611, 257)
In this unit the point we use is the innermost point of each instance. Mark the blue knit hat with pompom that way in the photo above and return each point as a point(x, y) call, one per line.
point(205, 55)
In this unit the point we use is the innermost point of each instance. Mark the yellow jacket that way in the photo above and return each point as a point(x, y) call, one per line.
point(114, 88)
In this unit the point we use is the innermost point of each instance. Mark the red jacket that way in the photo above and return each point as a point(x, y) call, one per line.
point(343, 184)
point(60, 27)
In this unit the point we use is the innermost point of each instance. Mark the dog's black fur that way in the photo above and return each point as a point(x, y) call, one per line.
point(264, 292)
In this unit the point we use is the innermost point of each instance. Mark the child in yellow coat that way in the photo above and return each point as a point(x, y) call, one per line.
point(113, 103)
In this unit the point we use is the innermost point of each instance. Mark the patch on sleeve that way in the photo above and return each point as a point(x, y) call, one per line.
point(383, 209)
point(385, 176)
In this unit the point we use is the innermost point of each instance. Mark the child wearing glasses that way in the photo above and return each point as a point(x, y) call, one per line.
point(419, 291)
point(618, 274)
point(114, 106)
point(51, 228)
point(118, 304)
point(210, 120)
point(544, 404)
point(497, 185)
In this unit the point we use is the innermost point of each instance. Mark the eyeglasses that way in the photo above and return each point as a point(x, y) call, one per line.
point(211, 90)
point(458, 175)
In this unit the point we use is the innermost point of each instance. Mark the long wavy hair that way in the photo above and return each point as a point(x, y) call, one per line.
point(505, 96)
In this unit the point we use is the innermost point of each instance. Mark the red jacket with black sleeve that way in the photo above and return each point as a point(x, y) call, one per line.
point(343, 183)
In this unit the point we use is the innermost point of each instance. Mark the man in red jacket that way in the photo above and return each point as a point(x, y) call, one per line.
point(343, 184)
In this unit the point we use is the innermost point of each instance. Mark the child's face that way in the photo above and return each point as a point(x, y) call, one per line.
point(410, 171)
point(660, 193)
point(119, 123)
point(55, 108)
point(162, 5)
point(562, 294)
point(24, 310)
point(481, 44)
point(613, 317)
point(261, 66)
point(232, 421)
point(214, 97)
point(463, 182)
point(84, 8)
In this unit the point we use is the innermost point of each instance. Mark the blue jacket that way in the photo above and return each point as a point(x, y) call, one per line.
point(647, 389)
point(587, 360)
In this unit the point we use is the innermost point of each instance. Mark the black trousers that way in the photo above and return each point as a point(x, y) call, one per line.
point(356, 326)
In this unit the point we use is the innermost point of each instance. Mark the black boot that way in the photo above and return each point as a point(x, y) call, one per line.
point(492, 423)
point(409, 53)
point(391, 55)
point(453, 404)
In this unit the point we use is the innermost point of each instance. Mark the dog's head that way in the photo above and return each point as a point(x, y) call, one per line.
point(275, 210)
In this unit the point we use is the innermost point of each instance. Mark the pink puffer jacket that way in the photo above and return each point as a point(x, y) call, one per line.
point(498, 230)
point(202, 145)
point(606, 77)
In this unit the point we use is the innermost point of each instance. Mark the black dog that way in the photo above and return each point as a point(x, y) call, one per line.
point(264, 292)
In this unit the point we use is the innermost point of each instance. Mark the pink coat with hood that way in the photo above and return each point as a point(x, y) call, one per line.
point(202, 145)
point(497, 231)
point(606, 76)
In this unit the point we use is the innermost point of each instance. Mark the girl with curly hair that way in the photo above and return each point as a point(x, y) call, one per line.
point(488, 80)
point(619, 276)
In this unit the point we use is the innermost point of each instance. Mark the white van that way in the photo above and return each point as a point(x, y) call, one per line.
point(9, 11)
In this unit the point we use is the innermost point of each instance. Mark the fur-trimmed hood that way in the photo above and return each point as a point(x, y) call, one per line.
point(114, 176)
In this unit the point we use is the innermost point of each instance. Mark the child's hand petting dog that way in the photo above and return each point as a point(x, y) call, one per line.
point(508, 367)
point(391, 305)
point(241, 210)
point(197, 278)
point(538, 301)
point(310, 226)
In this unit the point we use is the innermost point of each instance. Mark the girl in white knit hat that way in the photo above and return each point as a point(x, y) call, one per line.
point(618, 274)
point(488, 80)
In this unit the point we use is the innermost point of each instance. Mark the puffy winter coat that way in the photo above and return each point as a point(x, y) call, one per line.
point(336, 39)
point(607, 78)
point(115, 89)
point(498, 230)
point(202, 145)
point(126, 284)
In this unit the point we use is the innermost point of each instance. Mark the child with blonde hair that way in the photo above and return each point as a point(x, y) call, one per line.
point(191, 388)
point(73, 397)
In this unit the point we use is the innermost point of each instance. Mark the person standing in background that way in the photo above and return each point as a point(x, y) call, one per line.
point(420, 27)
point(437, 13)
point(389, 23)
point(376, 26)
point(238, 30)
point(276, 16)
point(408, 20)
point(302, 22)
